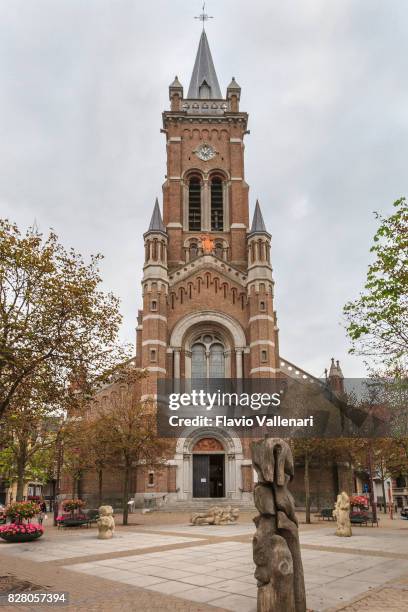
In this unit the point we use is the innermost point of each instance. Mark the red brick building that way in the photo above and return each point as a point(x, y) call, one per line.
point(208, 290)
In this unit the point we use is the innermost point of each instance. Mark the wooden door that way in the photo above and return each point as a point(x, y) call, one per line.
point(201, 475)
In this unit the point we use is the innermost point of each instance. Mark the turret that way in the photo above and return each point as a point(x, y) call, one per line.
point(233, 96)
point(176, 94)
point(153, 327)
point(259, 252)
point(335, 377)
point(155, 240)
point(263, 321)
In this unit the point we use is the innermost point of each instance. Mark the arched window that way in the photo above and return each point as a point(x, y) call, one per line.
point(208, 357)
point(194, 204)
point(193, 250)
point(219, 250)
point(217, 361)
point(198, 361)
point(217, 205)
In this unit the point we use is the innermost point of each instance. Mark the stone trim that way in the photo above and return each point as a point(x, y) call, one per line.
point(235, 139)
point(238, 226)
point(260, 342)
point(264, 369)
point(205, 316)
point(174, 225)
point(156, 369)
point(159, 342)
point(261, 317)
point(155, 316)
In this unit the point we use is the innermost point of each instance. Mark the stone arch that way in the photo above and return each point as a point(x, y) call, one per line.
point(207, 316)
point(233, 453)
point(191, 435)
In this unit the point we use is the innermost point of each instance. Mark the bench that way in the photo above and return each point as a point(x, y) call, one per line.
point(363, 518)
point(74, 521)
point(326, 513)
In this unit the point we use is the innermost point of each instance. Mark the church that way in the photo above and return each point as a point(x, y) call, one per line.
point(208, 295)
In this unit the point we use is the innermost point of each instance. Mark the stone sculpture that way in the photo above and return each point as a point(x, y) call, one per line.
point(341, 513)
point(106, 523)
point(276, 549)
point(216, 515)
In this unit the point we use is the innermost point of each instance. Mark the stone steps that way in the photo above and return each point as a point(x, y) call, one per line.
point(202, 504)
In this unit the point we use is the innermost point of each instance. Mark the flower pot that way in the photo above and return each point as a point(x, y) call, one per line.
point(21, 537)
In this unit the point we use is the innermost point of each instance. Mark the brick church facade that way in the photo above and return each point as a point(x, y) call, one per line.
point(208, 294)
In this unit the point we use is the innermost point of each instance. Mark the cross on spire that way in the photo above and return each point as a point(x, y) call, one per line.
point(204, 16)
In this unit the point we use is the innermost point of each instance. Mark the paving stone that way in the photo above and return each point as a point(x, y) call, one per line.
point(202, 594)
point(236, 603)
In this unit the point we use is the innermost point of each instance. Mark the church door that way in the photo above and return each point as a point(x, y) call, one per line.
point(208, 475)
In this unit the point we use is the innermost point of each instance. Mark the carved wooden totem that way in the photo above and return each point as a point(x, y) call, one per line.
point(279, 570)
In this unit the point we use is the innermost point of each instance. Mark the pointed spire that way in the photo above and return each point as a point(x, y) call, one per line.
point(335, 369)
point(258, 224)
point(204, 81)
point(176, 83)
point(156, 222)
point(234, 85)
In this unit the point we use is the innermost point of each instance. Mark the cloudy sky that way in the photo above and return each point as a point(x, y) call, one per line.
point(82, 87)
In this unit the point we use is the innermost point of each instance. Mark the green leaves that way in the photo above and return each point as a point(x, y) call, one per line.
point(377, 322)
point(58, 329)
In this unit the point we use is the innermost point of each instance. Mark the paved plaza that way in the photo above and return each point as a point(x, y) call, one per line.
point(180, 567)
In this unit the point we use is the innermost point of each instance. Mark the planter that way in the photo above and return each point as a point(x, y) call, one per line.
point(21, 537)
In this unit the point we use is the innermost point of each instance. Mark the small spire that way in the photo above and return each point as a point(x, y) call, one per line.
point(176, 84)
point(234, 85)
point(156, 222)
point(335, 369)
point(204, 81)
point(258, 224)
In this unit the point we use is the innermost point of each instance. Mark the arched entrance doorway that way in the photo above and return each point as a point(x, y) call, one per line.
point(208, 468)
point(210, 441)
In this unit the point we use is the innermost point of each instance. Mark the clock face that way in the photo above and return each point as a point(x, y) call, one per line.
point(205, 152)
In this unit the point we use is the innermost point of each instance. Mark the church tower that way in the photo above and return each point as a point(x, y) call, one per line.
point(207, 284)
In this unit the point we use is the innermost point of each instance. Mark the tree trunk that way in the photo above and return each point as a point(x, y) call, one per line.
point(307, 488)
point(370, 473)
point(383, 492)
point(73, 485)
point(126, 493)
point(21, 467)
point(58, 478)
point(100, 484)
point(20, 479)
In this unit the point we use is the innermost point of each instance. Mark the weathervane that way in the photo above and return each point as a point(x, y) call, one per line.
point(204, 17)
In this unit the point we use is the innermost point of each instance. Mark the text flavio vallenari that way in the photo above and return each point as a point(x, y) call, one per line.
point(200, 399)
point(244, 421)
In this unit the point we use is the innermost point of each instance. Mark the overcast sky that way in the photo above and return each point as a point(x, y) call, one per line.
point(82, 87)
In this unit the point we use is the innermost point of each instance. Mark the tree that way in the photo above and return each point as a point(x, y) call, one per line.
point(57, 328)
point(129, 429)
point(86, 449)
point(27, 442)
point(377, 322)
point(307, 450)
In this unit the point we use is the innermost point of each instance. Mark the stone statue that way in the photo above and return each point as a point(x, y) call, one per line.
point(341, 513)
point(276, 548)
point(106, 523)
point(216, 515)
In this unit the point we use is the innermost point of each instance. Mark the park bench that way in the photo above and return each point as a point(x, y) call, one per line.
point(80, 520)
point(326, 513)
point(362, 518)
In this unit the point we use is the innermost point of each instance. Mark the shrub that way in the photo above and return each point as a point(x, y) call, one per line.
point(18, 511)
point(73, 504)
point(21, 528)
